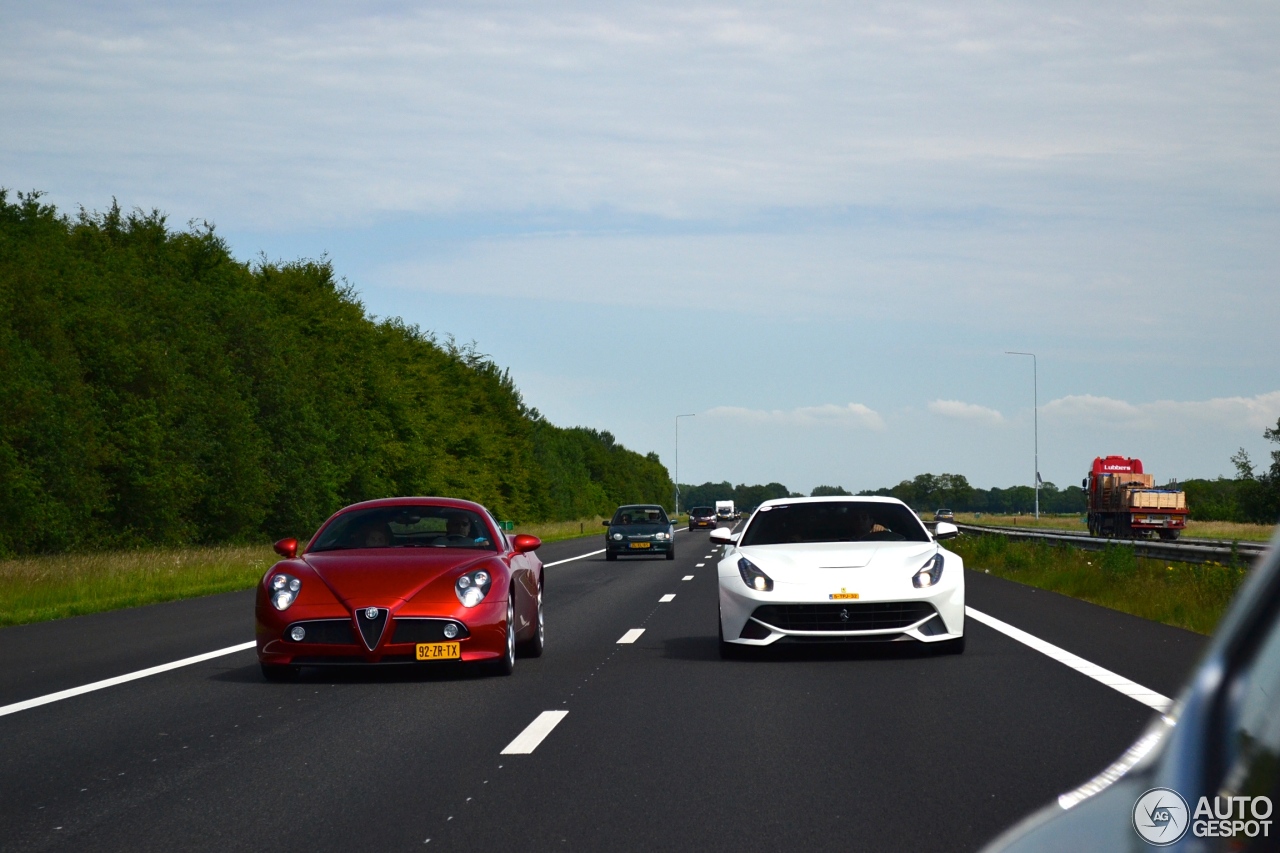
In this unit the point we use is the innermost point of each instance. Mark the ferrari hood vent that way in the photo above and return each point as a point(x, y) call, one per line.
point(372, 622)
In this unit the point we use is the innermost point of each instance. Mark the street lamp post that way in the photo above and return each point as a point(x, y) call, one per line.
point(677, 477)
point(1035, 419)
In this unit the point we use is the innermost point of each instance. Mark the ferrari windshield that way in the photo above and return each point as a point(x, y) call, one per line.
point(834, 521)
point(405, 527)
point(640, 515)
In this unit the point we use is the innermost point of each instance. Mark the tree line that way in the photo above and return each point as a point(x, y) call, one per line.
point(1253, 497)
point(924, 493)
point(158, 391)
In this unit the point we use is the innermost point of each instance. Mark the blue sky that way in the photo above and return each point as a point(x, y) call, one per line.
point(817, 227)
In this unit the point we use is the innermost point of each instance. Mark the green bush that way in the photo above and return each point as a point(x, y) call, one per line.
point(159, 392)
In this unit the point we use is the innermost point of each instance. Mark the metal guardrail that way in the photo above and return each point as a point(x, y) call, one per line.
point(1196, 551)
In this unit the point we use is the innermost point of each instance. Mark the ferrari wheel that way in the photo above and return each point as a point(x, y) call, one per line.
point(533, 648)
point(505, 664)
point(279, 672)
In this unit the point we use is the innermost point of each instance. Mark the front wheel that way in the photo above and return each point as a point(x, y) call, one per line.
point(728, 651)
point(610, 556)
point(532, 648)
point(507, 663)
point(671, 554)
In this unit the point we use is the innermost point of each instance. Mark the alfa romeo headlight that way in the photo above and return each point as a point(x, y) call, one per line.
point(284, 590)
point(753, 577)
point(929, 574)
point(472, 587)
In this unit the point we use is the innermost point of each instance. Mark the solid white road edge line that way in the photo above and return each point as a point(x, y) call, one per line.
point(631, 636)
point(534, 733)
point(571, 559)
point(1105, 676)
point(671, 596)
point(120, 679)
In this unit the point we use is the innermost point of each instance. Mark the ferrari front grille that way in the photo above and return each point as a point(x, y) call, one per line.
point(854, 616)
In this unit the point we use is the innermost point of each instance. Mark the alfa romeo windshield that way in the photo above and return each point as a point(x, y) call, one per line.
point(405, 527)
point(834, 521)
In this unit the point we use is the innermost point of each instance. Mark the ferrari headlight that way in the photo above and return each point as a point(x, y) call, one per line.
point(753, 577)
point(284, 590)
point(930, 573)
point(472, 587)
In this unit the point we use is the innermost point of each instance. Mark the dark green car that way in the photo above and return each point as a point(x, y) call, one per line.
point(640, 530)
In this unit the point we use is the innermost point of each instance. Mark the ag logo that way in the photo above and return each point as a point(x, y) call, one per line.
point(1160, 817)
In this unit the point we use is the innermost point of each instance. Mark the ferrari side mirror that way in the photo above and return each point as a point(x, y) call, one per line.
point(287, 548)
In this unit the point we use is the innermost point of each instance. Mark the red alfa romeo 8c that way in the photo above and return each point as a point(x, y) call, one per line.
point(402, 580)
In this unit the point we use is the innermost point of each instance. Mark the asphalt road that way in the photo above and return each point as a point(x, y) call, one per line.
point(664, 746)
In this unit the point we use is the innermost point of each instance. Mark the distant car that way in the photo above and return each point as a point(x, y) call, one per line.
point(702, 517)
point(401, 580)
point(838, 570)
point(639, 530)
point(1205, 773)
point(944, 515)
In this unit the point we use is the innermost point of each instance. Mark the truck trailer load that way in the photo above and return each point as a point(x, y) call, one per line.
point(1124, 503)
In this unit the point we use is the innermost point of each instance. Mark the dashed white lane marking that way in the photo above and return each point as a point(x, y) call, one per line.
point(120, 679)
point(1105, 676)
point(671, 596)
point(631, 636)
point(534, 733)
point(571, 559)
point(700, 565)
point(687, 578)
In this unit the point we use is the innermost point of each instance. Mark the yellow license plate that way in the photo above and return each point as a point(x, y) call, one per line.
point(439, 651)
point(843, 596)
point(639, 544)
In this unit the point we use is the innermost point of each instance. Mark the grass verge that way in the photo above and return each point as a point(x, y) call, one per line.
point(37, 589)
point(1191, 596)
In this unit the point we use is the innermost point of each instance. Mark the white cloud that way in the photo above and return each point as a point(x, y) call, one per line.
point(854, 415)
point(1233, 413)
point(966, 411)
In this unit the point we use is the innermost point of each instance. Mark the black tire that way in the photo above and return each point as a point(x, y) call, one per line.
point(279, 673)
point(507, 663)
point(951, 647)
point(610, 556)
point(532, 648)
point(671, 554)
point(1170, 535)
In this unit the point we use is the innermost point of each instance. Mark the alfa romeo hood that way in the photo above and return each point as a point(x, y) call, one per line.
point(387, 574)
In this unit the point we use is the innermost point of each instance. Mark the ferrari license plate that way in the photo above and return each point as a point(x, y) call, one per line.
point(439, 651)
point(843, 596)
point(639, 544)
